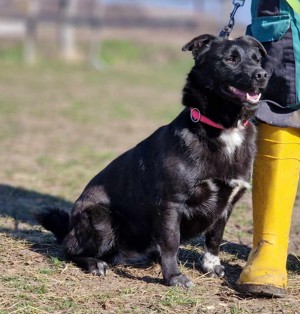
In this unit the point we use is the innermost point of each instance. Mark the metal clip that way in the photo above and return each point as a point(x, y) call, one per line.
point(228, 28)
point(239, 2)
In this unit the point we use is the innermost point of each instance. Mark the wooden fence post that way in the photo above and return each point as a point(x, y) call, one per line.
point(31, 32)
point(66, 33)
point(96, 18)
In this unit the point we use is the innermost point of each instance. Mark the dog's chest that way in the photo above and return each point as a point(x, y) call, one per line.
point(232, 139)
point(212, 198)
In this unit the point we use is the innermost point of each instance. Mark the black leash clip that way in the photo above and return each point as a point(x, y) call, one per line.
point(228, 28)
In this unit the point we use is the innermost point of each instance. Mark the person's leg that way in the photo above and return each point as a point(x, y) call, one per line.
point(275, 182)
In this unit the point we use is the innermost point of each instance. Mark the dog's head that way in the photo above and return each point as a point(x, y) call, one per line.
point(226, 70)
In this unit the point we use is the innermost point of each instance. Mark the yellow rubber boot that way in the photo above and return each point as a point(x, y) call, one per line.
point(275, 182)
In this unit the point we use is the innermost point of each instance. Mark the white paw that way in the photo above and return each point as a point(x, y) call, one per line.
point(211, 265)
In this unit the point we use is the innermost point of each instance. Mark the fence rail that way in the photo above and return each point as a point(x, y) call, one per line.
point(22, 19)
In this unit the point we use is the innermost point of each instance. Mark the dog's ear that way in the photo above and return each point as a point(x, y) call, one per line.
point(256, 43)
point(199, 45)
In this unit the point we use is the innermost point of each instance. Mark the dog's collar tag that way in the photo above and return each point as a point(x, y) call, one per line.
point(196, 116)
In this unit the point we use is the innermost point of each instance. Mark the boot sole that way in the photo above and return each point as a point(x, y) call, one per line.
point(261, 290)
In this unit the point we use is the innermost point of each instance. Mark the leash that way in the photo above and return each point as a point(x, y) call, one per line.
point(229, 27)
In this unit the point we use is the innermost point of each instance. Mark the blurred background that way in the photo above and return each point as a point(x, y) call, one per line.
point(63, 27)
point(83, 80)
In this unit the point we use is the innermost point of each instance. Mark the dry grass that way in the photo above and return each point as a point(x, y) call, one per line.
point(36, 279)
point(59, 126)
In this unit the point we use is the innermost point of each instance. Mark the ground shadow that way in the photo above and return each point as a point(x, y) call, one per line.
point(242, 251)
point(189, 258)
point(123, 272)
point(20, 204)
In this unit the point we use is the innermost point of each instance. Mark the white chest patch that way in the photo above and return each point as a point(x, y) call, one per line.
point(237, 185)
point(232, 138)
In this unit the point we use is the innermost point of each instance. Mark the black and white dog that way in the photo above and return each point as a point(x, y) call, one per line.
point(182, 180)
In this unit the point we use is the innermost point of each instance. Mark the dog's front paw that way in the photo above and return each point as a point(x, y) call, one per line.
point(180, 281)
point(219, 271)
point(210, 265)
point(99, 268)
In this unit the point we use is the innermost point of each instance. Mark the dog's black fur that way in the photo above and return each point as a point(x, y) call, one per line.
point(179, 182)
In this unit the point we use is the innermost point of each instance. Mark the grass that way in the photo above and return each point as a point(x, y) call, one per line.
point(60, 124)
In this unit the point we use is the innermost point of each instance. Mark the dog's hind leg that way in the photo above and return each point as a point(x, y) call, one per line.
point(90, 264)
point(91, 237)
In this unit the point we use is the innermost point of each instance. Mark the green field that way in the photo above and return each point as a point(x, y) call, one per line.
point(60, 124)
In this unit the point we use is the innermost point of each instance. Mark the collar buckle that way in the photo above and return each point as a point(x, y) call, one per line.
point(195, 117)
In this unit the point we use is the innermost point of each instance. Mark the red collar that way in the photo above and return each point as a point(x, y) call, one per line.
point(196, 116)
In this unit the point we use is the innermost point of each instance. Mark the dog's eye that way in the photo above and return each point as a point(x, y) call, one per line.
point(231, 59)
point(256, 59)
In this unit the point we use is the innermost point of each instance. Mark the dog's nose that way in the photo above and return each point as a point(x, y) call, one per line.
point(260, 75)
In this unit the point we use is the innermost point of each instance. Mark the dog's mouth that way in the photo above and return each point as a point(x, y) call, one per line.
point(249, 97)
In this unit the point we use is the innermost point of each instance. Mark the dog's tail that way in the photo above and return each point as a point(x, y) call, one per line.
point(54, 220)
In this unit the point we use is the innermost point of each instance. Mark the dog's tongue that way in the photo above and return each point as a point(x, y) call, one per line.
point(251, 97)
